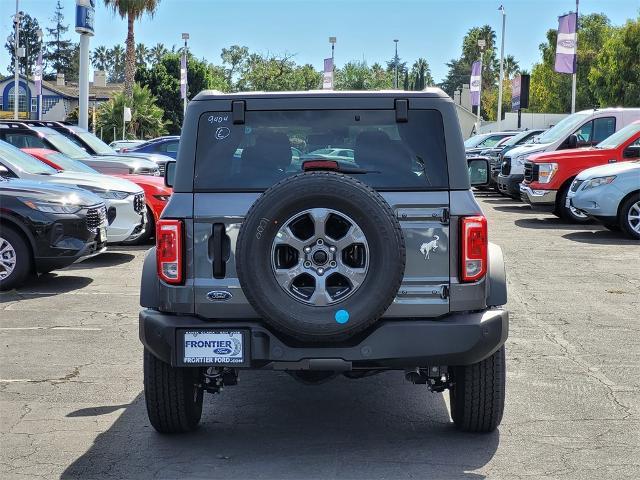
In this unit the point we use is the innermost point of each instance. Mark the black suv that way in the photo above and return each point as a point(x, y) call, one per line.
point(323, 233)
point(44, 227)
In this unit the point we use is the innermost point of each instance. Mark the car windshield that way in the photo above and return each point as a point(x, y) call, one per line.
point(516, 139)
point(66, 146)
point(387, 154)
point(621, 136)
point(491, 141)
point(563, 128)
point(95, 143)
point(23, 161)
point(474, 141)
point(69, 164)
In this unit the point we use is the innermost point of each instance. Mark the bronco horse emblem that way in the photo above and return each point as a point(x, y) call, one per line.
point(427, 247)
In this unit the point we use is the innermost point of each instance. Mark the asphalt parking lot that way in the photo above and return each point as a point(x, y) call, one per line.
point(72, 406)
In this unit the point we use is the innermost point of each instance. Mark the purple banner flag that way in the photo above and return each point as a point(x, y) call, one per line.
point(37, 75)
point(475, 84)
point(183, 77)
point(566, 48)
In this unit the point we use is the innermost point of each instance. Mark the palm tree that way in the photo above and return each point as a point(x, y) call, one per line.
point(421, 75)
point(132, 10)
point(100, 58)
point(117, 64)
point(157, 52)
point(510, 66)
point(142, 55)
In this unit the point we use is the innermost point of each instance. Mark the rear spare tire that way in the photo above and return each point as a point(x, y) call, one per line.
point(320, 256)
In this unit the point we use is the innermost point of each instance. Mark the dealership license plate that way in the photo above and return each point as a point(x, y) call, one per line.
point(213, 347)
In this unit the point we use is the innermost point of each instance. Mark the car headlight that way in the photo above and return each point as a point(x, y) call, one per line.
point(546, 171)
point(596, 182)
point(107, 194)
point(53, 207)
point(163, 198)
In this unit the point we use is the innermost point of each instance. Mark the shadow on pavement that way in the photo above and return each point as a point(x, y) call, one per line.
point(46, 285)
point(601, 237)
point(270, 426)
point(501, 200)
point(107, 259)
point(526, 209)
point(552, 223)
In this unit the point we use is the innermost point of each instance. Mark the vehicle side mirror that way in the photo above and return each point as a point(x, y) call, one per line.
point(631, 152)
point(572, 141)
point(478, 172)
point(169, 173)
point(5, 172)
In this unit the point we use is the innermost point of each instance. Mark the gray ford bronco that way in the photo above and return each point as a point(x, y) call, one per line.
point(323, 234)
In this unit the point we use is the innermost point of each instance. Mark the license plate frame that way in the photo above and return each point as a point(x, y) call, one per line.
point(101, 236)
point(214, 359)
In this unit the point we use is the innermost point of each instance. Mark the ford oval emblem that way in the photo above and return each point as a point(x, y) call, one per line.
point(568, 43)
point(219, 296)
point(222, 351)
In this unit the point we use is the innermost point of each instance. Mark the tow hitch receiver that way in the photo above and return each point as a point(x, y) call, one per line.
point(436, 378)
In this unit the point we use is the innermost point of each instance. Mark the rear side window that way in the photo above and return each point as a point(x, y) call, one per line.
point(272, 145)
point(603, 128)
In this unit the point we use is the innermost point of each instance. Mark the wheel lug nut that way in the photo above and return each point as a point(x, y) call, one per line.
point(320, 271)
point(332, 249)
point(333, 264)
point(319, 242)
point(307, 264)
point(307, 249)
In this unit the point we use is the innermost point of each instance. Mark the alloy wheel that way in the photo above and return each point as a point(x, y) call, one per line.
point(7, 258)
point(320, 256)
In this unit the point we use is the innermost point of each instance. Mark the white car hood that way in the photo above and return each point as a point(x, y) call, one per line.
point(527, 149)
point(95, 180)
point(609, 169)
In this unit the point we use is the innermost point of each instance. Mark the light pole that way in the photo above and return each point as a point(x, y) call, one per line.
point(85, 15)
point(481, 43)
point(38, 76)
point(395, 61)
point(183, 75)
point(332, 41)
point(16, 65)
point(504, 19)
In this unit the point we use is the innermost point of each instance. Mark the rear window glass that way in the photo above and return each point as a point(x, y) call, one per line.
point(272, 145)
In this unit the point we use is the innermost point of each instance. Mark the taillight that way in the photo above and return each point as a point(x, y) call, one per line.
point(473, 242)
point(169, 250)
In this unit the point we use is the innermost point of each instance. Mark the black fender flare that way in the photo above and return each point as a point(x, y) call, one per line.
point(149, 282)
point(497, 277)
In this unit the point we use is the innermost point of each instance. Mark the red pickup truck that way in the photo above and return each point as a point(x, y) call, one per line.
point(548, 176)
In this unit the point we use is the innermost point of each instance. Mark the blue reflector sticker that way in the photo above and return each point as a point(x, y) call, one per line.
point(342, 316)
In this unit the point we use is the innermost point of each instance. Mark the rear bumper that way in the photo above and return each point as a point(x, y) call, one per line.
point(538, 199)
point(458, 339)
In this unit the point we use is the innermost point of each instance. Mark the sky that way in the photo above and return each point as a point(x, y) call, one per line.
point(365, 29)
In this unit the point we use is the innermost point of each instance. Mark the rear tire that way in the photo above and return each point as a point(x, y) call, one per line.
point(477, 395)
point(628, 217)
point(172, 395)
point(15, 259)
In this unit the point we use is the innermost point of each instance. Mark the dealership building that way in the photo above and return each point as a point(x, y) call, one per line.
point(59, 98)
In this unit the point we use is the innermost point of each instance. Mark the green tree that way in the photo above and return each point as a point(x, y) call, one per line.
point(100, 58)
point(146, 116)
point(357, 75)
point(402, 68)
point(551, 91)
point(234, 58)
point(29, 40)
point(163, 80)
point(157, 52)
point(58, 50)
point(511, 66)
point(131, 10)
point(276, 73)
point(614, 76)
